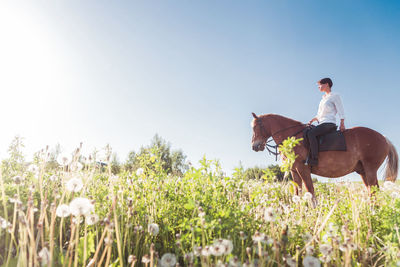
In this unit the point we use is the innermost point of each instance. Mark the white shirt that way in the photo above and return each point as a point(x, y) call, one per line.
point(328, 107)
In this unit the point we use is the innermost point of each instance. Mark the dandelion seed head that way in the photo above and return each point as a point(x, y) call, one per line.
point(168, 260)
point(17, 179)
point(309, 250)
point(63, 160)
point(63, 211)
point(310, 261)
point(145, 259)
point(307, 196)
point(81, 206)
point(296, 199)
point(153, 229)
point(325, 249)
point(44, 256)
point(91, 219)
point(269, 214)
point(139, 171)
point(74, 185)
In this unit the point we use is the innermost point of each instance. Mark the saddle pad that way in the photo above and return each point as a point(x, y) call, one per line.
point(332, 142)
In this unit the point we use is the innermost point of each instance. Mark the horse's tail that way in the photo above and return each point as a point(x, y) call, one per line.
point(392, 163)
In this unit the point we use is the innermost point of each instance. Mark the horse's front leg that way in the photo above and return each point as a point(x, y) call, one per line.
point(297, 179)
point(305, 174)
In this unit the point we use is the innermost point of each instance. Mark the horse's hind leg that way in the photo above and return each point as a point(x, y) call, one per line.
point(368, 175)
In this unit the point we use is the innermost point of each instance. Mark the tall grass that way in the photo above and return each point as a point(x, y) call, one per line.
point(80, 214)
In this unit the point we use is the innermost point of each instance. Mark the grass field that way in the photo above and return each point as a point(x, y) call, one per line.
point(80, 214)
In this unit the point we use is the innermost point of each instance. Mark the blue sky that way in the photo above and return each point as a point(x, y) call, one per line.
point(119, 72)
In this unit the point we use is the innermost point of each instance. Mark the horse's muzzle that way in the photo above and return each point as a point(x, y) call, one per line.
point(258, 147)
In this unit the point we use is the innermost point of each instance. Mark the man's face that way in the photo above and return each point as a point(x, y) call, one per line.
point(323, 87)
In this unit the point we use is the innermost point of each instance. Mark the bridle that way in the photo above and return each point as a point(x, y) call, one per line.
point(275, 147)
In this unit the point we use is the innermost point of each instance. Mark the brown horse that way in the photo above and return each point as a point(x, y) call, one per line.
point(366, 151)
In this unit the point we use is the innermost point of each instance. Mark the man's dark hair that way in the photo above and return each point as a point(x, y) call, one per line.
point(326, 81)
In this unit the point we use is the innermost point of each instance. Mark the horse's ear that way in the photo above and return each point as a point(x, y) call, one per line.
point(254, 115)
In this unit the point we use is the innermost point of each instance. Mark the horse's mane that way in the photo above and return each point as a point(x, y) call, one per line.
point(280, 117)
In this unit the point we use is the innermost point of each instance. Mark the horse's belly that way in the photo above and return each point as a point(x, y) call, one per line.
point(333, 166)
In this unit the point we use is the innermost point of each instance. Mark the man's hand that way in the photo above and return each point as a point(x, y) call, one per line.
point(342, 128)
point(313, 119)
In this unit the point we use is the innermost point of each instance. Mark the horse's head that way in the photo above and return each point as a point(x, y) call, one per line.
point(260, 134)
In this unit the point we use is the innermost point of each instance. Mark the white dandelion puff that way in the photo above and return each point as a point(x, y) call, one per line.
point(269, 214)
point(325, 249)
point(63, 211)
point(168, 260)
point(91, 219)
point(145, 259)
point(44, 255)
point(74, 185)
point(139, 171)
point(307, 196)
point(296, 199)
point(63, 160)
point(81, 206)
point(309, 250)
point(310, 261)
point(153, 229)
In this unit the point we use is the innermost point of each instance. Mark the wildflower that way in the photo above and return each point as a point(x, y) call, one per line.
point(309, 250)
point(217, 250)
point(44, 255)
point(307, 237)
point(17, 179)
point(325, 249)
point(307, 196)
point(326, 258)
point(92, 219)
point(131, 258)
point(296, 198)
point(168, 260)
point(388, 185)
point(269, 214)
point(205, 251)
point(63, 160)
point(258, 237)
point(53, 178)
point(139, 171)
point(76, 166)
point(108, 241)
point(74, 185)
point(145, 259)
point(310, 261)
point(4, 223)
point(234, 262)
point(63, 211)
point(242, 235)
point(153, 229)
point(81, 206)
point(33, 168)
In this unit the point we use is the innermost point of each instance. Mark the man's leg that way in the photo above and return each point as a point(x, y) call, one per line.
point(312, 138)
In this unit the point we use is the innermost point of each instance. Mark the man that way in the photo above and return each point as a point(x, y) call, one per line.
point(330, 105)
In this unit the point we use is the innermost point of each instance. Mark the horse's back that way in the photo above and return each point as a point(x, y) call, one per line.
point(369, 143)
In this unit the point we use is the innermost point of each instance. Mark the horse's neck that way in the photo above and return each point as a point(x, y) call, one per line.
point(281, 128)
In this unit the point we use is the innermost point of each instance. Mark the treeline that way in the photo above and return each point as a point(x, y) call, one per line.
point(158, 154)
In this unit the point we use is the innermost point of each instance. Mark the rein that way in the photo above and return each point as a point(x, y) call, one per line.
point(268, 146)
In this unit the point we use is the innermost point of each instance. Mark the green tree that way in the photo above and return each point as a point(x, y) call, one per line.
point(171, 161)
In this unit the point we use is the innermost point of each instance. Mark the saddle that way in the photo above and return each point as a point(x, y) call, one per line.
point(333, 141)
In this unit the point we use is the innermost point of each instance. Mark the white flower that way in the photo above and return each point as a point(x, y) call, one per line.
point(326, 258)
point(307, 196)
point(290, 261)
point(74, 185)
point(258, 237)
point(153, 229)
point(310, 261)
point(146, 259)
point(44, 255)
point(217, 250)
point(33, 168)
point(76, 166)
point(139, 171)
point(168, 260)
point(63, 160)
point(205, 251)
point(307, 237)
point(234, 262)
point(269, 214)
point(4, 223)
point(81, 206)
point(63, 211)
point(325, 249)
point(296, 198)
point(17, 179)
point(53, 178)
point(92, 219)
point(309, 250)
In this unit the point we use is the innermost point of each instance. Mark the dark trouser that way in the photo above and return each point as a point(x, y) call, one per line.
point(312, 134)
